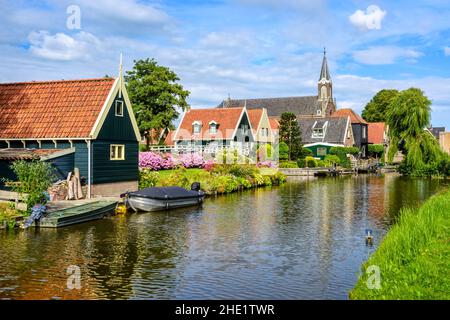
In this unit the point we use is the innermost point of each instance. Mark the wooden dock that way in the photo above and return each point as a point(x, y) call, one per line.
point(89, 211)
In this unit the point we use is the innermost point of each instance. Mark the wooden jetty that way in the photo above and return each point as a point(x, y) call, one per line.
point(78, 214)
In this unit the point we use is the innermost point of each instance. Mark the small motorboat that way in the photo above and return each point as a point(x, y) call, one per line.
point(163, 198)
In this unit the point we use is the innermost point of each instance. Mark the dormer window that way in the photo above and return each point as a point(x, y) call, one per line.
point(213, 127)
point(196, 127)
point(318, 129)
point(119, 108)
point(317, 133)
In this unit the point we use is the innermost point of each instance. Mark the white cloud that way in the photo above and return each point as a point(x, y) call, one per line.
point(385, 55)
point(447, 51)
point(369, 20)
point(61, 46)
point(127, 10)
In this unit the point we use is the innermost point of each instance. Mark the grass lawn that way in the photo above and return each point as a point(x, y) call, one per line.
point(163, 174)
point(414, 257)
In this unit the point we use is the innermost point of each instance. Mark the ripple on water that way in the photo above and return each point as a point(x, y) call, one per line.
point(304, 240)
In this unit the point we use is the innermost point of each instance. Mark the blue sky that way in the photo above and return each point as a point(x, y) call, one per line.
point(245, 48)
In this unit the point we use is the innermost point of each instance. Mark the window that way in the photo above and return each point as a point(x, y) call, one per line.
point(196, 128)
point(119, 108)
point(117, 152)
point(319, 112)
point(323, 92)
point(321, 151)
point(364, 132)
point(317, 133)
point(212, 127)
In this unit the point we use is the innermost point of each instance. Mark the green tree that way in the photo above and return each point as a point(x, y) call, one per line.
point(407, 116)
point(291, 134)
point(375, 110)
point(155, 94)
point(33, 179)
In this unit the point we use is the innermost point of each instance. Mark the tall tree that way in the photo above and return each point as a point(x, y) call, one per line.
point(375, 110)
point(407, 116)
point(155, 95)
point(291, 134)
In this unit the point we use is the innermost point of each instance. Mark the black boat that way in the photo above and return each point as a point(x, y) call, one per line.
point(163, 198)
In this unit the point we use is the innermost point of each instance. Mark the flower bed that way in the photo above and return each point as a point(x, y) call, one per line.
point(216, 180)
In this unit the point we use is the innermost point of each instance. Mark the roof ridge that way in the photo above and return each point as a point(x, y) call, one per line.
point(289, 97)
point(56, 81)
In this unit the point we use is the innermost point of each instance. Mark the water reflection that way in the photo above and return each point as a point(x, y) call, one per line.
point(302, 240)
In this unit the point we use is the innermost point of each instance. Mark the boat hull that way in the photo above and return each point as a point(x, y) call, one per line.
point(76, 215)
point(148, 205)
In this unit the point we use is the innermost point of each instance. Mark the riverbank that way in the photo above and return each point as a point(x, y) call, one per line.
point(220, 179)
point(414, 257)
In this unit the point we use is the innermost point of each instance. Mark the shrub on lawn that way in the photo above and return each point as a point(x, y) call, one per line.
point(148, 178)
point(283, 151)
point(301, 163)
point(33, 180)
point(311, 162)
point(331, 159)
point(375, 150)
point(305, 152)
point(288, 164)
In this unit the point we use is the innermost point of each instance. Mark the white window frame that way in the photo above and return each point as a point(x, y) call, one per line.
point(211, 125)
point(119, 114)
point(315, 133)
point(114, 150)
point(319, 112)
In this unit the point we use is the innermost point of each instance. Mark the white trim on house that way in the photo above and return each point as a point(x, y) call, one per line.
point(117, 86)
point(323, 144)
point(58, 154)
point(244, 110)
point(114, 152)
point(346, 130)
point(118, 114)
point(178, 129)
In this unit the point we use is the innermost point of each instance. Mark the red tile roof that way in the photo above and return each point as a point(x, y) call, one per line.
point(255, 117)
point(51, 109)
point(376, 132)
point(226, 118)
point(354, 117)
point(169, 138)
point(274, 124)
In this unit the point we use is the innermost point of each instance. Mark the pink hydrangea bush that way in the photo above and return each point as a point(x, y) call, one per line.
point(191, 160)
point(155, 161)
point(150, 160)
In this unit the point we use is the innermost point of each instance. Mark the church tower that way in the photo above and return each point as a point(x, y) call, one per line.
point(325, 89)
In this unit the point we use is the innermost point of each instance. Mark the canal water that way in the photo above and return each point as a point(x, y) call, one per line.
point(303, 240)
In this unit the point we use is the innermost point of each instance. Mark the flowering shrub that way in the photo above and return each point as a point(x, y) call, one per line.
point(267, 164)
point(150, 160)
point(208, 165)
point(191, 160)
point(155, 161)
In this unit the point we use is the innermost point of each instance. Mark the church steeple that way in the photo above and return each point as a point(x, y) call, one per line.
point(325, 73)
point(325, 88)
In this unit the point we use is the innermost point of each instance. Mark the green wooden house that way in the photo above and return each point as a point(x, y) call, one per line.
point(85, 124)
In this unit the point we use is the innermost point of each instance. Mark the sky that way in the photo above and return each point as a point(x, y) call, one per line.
point(241, 48)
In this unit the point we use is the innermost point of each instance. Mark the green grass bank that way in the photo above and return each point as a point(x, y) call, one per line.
point(221, 179)
point(414, 257)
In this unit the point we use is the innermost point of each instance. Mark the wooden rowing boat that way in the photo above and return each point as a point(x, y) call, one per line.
point(78, 214)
